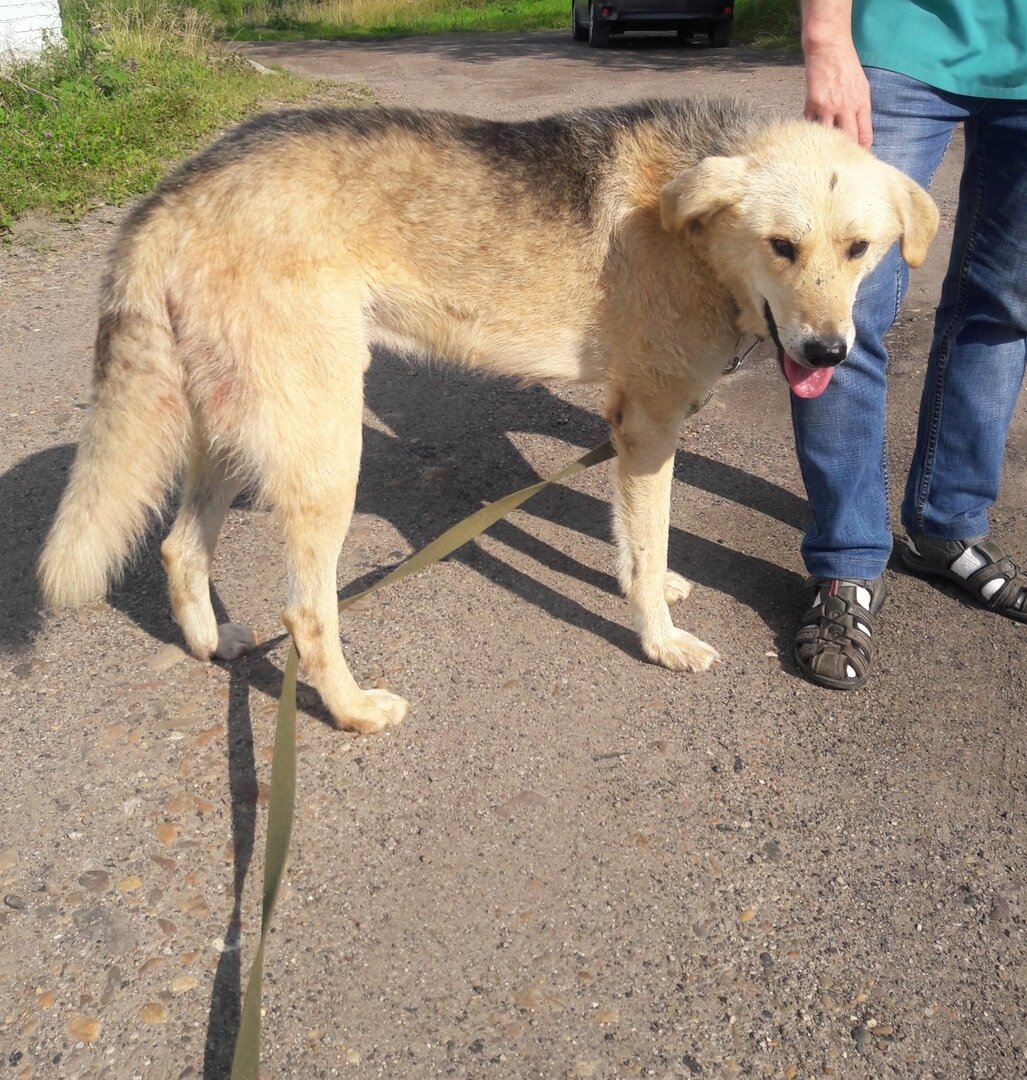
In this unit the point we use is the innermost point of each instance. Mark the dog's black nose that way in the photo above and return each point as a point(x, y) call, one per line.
point(825, 352)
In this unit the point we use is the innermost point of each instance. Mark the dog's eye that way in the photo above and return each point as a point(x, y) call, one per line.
point(858, 249)
point(784, 248)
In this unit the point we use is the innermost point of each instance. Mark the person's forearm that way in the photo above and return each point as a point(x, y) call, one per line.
point(826, 23)
point(837, 93)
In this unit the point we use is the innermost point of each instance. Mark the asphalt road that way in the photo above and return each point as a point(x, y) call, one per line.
point(567, 862)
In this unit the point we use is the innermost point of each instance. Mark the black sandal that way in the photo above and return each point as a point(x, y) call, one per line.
point(834, 643)
point(980, 567)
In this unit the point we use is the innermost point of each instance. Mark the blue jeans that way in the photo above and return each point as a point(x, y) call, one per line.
point(976, 363)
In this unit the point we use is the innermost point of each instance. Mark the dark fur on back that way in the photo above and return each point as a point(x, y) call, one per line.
point(556, 160)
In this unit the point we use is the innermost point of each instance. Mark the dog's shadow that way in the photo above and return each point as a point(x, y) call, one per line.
point(447, 450)
point(29, 493)
point(438, 448)
point(441, 449)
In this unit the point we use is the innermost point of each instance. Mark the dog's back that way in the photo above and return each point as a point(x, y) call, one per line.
point(558, 164)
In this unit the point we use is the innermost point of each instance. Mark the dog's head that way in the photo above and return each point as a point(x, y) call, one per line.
point(792, 226)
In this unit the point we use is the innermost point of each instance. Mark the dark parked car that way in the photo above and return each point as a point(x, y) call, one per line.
point(595, 20)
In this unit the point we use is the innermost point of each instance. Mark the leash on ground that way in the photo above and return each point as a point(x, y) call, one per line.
point(282, 803)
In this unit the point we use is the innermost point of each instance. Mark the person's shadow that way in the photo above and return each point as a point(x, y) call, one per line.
point(438, 449)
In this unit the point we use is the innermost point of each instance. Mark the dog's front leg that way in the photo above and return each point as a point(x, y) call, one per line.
point(646, 435)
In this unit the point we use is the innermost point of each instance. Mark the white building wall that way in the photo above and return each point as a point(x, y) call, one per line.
point(25, 24)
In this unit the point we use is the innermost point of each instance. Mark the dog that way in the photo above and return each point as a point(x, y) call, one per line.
point(627, 246)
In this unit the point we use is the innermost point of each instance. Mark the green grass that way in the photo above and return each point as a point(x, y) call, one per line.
point(291, 20)
point(99, 118)
point(767, 23)
point(763, 22)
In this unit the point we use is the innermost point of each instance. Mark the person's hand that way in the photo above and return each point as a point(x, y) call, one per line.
point(837, 91)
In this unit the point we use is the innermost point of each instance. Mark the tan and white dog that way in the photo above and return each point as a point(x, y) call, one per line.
point(624, 246)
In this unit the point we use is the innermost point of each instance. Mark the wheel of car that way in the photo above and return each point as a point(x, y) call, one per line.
point(720, 35)
point(598, 37)
point(578, 32)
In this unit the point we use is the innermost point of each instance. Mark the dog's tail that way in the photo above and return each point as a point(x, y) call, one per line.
point(137, 427)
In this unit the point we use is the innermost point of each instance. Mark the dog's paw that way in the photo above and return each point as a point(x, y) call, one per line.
point(681, 651)
point(374, 711)
point(676, 587)
point(234, 639)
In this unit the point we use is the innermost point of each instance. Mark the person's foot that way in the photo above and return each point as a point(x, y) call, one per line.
point(834, 644)
point(978, 566)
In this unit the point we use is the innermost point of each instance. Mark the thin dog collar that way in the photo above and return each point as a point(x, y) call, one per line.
point(737, 356)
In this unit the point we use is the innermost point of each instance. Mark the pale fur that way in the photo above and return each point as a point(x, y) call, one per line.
point(623, 247)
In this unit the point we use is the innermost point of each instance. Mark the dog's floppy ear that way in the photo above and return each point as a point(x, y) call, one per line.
point(699, 192)
point(918, 216)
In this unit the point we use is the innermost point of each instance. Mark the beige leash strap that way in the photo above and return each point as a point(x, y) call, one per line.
point(282, 804)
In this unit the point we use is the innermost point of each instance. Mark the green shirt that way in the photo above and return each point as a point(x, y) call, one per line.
point(972, 47)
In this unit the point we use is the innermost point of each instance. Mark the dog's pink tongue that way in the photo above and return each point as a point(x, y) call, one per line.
point(806, 382)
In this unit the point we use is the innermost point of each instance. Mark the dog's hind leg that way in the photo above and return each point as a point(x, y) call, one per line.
point(210, 487)
point(646, 434)
point(310, 479)
point(314, 533)
point(316, 517)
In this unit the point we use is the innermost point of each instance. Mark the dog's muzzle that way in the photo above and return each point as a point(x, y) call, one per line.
point(819, 359)
point(825, 352)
